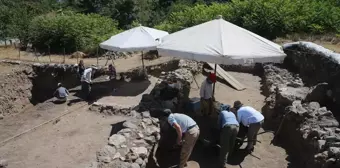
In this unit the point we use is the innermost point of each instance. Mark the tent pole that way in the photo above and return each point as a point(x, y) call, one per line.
point(143, 61)
point(215, 82)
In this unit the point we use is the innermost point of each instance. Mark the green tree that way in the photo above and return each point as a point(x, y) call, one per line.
point(71, 31)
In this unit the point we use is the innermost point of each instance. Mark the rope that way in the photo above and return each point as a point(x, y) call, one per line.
point(31, 129)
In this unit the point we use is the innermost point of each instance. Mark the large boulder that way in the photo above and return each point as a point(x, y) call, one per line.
point(117, 140)
point(106, 154)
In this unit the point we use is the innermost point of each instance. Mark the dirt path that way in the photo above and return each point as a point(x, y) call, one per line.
point(265, 155)
point(71, 142)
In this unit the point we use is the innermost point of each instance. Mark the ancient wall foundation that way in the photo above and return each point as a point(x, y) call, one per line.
point(302, 104)
point(131, 143)
point(316, 65)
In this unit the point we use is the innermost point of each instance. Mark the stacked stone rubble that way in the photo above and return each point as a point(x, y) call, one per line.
point(183, 78)
point(113, 110)
point(131, 146)
point(194, 66)
point(309, 131)
point(316, 65)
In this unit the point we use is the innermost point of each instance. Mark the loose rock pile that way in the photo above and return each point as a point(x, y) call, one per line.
point(131, 146)
point(316, 65)
point(194, 66)
point(309, 131)
point(113, 110)
point(183, 78)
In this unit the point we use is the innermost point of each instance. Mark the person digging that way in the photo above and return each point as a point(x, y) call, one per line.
point(229, 127)
point(206, 94)
point(251, 118)
point(187, 133)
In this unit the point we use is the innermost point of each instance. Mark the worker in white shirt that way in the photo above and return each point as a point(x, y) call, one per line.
point(206, 94)
point(250, 118)
point(86, 81)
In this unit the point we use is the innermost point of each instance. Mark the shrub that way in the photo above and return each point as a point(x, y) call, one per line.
point(268, 18)
point(72, 31)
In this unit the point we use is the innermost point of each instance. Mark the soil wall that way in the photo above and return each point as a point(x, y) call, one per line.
point(15, 87)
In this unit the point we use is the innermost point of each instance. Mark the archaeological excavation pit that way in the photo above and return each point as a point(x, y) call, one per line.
point(299, 100)
point(301, 114)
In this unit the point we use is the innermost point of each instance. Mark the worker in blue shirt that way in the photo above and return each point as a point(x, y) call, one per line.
point(229, 126)
point(187, 133)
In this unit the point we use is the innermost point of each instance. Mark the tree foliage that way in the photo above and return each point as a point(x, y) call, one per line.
point(269, 18)
point(71, 31)
point(16, 15)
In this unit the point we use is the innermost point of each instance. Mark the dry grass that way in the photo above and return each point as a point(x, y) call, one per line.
point(331, 42)
point(122, 64)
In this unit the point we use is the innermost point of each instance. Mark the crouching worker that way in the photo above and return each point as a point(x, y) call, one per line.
point(252, 119)
point(187, 133)
point(229, 126)
point(61, 94)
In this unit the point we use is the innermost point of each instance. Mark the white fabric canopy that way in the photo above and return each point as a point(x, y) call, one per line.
point(136, 39)
point(220, 42)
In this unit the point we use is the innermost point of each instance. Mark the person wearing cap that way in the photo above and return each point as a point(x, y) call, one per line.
point(187, 133)
point(61, 93)
point(86, 81)
point(229, 126)
point(250, 118)
point(206, 94)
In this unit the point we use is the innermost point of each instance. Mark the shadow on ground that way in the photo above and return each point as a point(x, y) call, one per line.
point(115, 128)
point(205, 154)
point(111, 88)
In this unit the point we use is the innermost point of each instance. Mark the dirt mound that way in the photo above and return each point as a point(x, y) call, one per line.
point(15, 88)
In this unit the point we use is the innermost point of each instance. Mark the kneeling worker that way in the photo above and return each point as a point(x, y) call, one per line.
point(229, 126)
point(251, 118)
point(61, 93)
point(187, 133)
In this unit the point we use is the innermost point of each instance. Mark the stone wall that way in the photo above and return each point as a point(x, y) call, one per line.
point(132, 146)
point(309, 131)
point(316, 65)
point(183, 78)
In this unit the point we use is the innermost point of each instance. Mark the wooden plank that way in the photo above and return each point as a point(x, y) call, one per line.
point(227, 77)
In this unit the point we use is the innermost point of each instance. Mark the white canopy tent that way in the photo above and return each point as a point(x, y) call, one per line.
point(136, 39)
point(220, 42)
